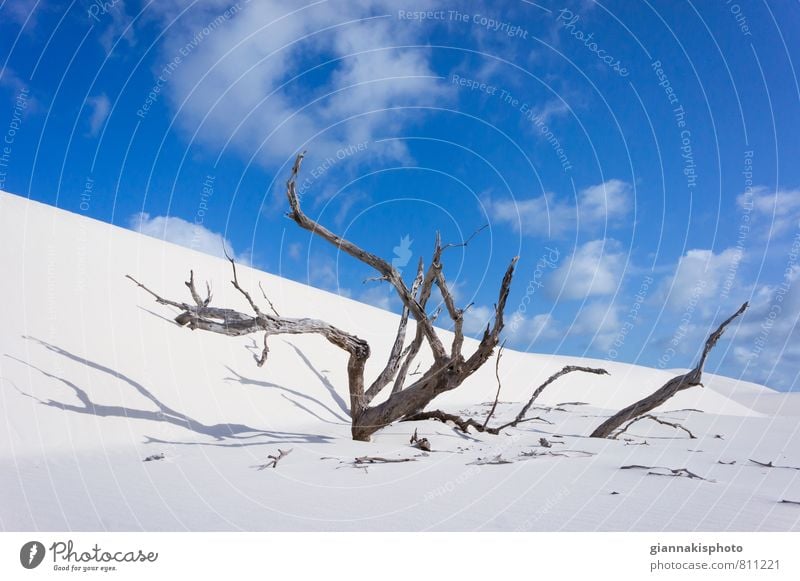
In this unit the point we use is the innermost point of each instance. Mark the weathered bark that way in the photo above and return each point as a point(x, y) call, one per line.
point(464, 424)
point(448, 371)
point(673, 386)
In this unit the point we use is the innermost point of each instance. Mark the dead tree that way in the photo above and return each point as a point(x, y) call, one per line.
point(450, 367)
point(673, 386)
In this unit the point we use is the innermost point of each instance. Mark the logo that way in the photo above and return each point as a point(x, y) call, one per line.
point(31, 554)
point(402, 253)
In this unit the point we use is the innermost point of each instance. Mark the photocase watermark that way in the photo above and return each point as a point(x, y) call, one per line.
point(547, 262)
point(20, 104)
point(402, 253)
point(544, 508)
point(31, 554)
point(631, 318)
point(206, 192)
point(739, 16)
point(99, 8)
point(183, 52)
point(679, 116)
point(529, 113)
point(329, 162)
point(568, 20)
point(746, 204)
point(489, 23)
point(790, 274)
point(684, 324)
point(471, 471)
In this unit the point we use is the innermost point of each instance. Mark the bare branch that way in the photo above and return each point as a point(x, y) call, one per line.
point(661, 471)
point(266, 298)
point(566, 369)
point(499, 385)
point(673, 386)
point(273, 463)
point(235, 283)
point(467, 241)
point(260, 361)
point(771, 465)
point(381, 460)
point(675, 425)
point(383, 267)
point(195, 295)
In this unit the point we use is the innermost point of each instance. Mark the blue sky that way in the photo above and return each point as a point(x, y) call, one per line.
point(640, 157)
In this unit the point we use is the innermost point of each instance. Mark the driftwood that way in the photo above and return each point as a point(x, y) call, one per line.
point(661, 471)
point(464, 424)
point(450, 367)
point(675, 425)
point(673, 386)
point(421, 443)
point(771, 465)
point(273, 460)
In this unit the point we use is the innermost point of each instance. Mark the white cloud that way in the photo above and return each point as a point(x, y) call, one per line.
point(594, 269)
point(120, 25)
point(780, 206)
point(247, 77)
point(476, 318)
point(600, 321)
point(698, 278)
point(183, 233)
point(525, 331)
point(294, 250)
point(100, 108)
point(597, 206)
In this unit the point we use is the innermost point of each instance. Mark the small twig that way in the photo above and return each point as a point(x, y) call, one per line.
point(266, 298)
point(771, 465)
point(421, 443)
point(731, 463)
point(381, 460)
point(784, 501)
point(467, 241)
point(678, 472)
point(499, 384)
point(490, 461)
point(273, 463)
point(235, 283)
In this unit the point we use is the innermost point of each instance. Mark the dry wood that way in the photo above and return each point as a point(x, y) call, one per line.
point(499, 385)
point(673, 386)
point(675, 425)
point(771, 465)
point(381, 460)
point(448, 371)
point(273, 460)
point(421, 443)
point(662, 471)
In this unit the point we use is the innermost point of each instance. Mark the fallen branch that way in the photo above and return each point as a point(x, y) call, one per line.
point(421, 443)
point(463, 424)
point(490, 461)
point(381, 460)
point(675, 425)
point(771, 465)
point(273, 463)
point(673, 386)
point(677, 472)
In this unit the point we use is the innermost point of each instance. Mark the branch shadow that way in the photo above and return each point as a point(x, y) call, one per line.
point(258, 383)
point(324, 380)
point(218, 432)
